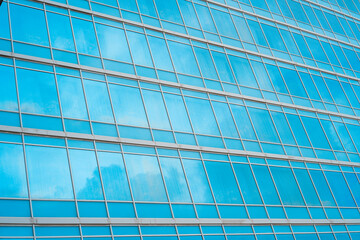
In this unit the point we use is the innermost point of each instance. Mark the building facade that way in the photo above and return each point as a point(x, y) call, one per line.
point(180, 119)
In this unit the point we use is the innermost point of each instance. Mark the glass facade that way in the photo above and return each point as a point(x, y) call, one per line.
point(180, 119)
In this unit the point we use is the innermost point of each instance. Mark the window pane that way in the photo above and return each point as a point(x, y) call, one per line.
point(225, 119)
point(202, 116)
point(86, 175)
point(49, 173)
point(168, 10)
point(96, 92)
point(224, 24)
point(242, 70)
point(113, 174)
point(145, 178)
point(315, 132)
point(243, 122)
point(160, 53)
point(273, 37)
point(8, 96)
point(283, 128)
point(257, 33)
point(128, 106)
point(85, 37)
point(331, 134)
point(28, 25)
point(12, 171)
point(287, 186)
point(247, 184)
point(266, 185)
point(113, 43)
point(263, 125)
point(223, 67)
point(198, 183)
point(205, 62)
point(223, 182)
point(37, 92)
point(293, 82)
point(307, 187)
point(183, 58)
point(72, 97)
point(139, 49)
point(175, 180)
point(340, 189)
point(60, 34)
point(261, 75)
point(322, 188)
point(298, 130)
point(177, 113)
point(155, 109)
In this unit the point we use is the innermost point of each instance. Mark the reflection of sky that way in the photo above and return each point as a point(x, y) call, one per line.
point(49, 173)
point(85, 174)
point(12, 171)
point(145, 178)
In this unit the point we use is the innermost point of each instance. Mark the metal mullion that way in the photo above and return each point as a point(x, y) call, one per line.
point(332, 194)
point(211, 190)
point(101, 180)
point(233, 118)
point(277, 132)
point(217, 123)
point(71, 176)
point(277, 191)
point(164, 182)
point(348, 185)
point(238, 185)
point(253, 127)
point(187, 183)
point(302, 195)
point(128, 181)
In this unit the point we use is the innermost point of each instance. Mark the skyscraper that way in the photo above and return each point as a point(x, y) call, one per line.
point(180, 119)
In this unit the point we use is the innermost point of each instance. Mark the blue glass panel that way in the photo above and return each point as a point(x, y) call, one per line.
point(28, 25)
point(4, 21)
point(315, 132)
point(257, 33)
point(261, 75)
point(183, 58)
point(177, 113)
point(206, 64)
point(168, 10)
point(160, 53)
point(225, 119)
point(139, 49)
point(322, 188)
point(145, 178)
point(287, 186)
point(273, 37)
point(293, 82)
point(37, 92)
point(202, 116)
point(8, 96)
point(198, 182)
point(155, 109)
point(175, 180)
point(340, 189)
point(188, 13)
point(85, 37)
point(97, 92)
point(266, 185)
point(263, 125)
point(85, 175)
point(128, 106)
point(242, 70)
point(276, 78)
point(354, 185)
point(72, 97)
point(223, 182)
point(113, 44)
point(307, 187)
point(223, 67)
point(224, 23)
point(332, 136)
point(113, 174)
point(283, 128)
point(12, 171)
point(247, 184)
point(206, 20)
point(49, 173)
point(60, 34)
point(243, 122)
